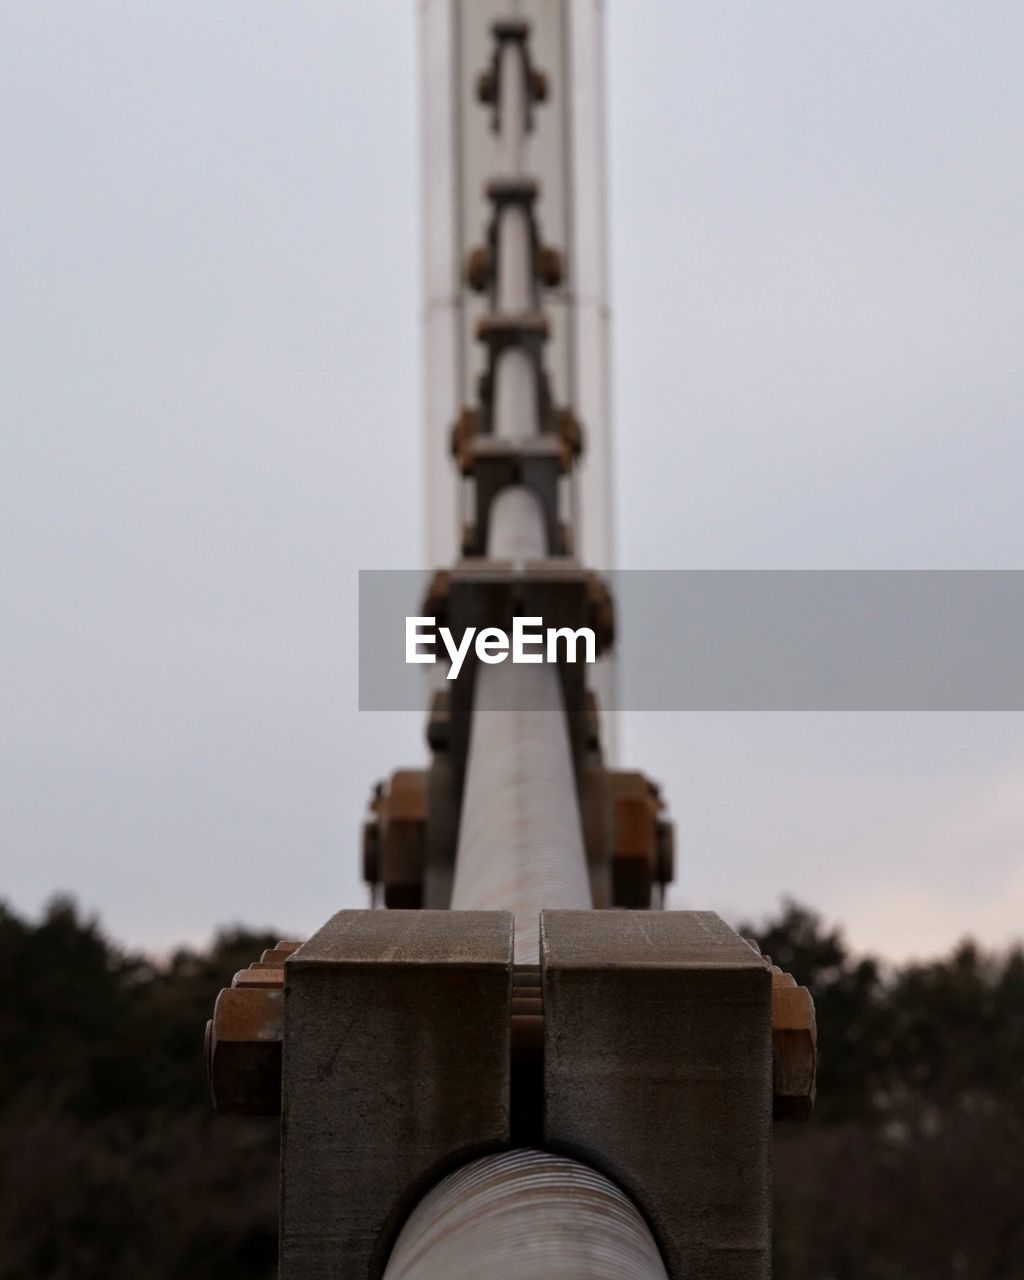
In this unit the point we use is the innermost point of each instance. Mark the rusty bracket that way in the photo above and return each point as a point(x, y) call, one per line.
point(243, 1038)
point(494, 464)
point(527, 332)
point(630, 842)
point(394, 838)
point(488, 85)
point(548, 264)
point(480, 592)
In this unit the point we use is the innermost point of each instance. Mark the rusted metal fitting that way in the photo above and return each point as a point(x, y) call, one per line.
point(271, 976)
point(243, 1046)
point(513, 457)
point(634, 838)
point(464, 428)
point(399, 812)
point(502, 582)
point(538, 463)
point(548, 263)
point(503, 29)
point(550, 266)
point(488, 85)
point(629, 842)
point(439, 721)
point(517, 189)
point(501, 331)
point(601, 611)
point(568, 429)
point(794, 1048)
point(479, 268)
point(526, 332)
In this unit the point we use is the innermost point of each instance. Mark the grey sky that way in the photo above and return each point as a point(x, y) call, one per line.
point(210, 410)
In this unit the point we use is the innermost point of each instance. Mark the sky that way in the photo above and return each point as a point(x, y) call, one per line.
point(210, 420)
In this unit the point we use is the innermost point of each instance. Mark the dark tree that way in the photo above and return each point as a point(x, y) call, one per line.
point(112, 1163)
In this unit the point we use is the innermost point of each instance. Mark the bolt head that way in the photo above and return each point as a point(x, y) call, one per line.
point(243, 1050)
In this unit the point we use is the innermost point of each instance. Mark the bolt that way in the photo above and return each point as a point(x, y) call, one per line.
point(478, 268)
point(550, 267)
point(243, 1050)
point(794, 1048)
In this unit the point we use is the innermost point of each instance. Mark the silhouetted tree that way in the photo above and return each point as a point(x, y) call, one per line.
point(112, 1163)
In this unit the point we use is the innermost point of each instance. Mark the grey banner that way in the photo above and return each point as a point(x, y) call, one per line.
point(754, 640)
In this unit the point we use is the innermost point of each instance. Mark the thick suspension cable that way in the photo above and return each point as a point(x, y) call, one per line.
point(522, 1214)
point(520, 837)
point(525, 1215)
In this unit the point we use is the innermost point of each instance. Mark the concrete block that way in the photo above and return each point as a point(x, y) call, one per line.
point(658, 1071)
point(396, 1068)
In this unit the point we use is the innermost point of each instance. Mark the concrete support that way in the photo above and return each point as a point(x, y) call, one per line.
point(658, 1072)
point(396, 1069)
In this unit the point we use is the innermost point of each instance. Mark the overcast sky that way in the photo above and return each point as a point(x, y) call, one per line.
point(210, 407)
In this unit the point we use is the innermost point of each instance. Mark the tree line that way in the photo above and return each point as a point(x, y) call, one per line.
point(112, 1163)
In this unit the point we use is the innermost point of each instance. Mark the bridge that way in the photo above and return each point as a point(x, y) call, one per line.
point(517, 1064)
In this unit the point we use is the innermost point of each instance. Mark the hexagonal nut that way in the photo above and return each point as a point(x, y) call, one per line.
point(243, 1050)
point(371, 851)
point(486, 87)
point(279, 954)
point(478, 268)
point(794, 1049)
point(601, 608)
point(550, 267)
point(259, 976)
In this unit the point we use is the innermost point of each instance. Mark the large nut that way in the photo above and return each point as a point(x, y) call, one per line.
point(634, 843)
point(403, 838)
point(550, 266)
point(479, 268)
point(794, 1048)
point(259, 976)
point(243, 1047)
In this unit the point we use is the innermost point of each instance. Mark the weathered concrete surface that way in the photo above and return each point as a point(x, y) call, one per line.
point(658, 1071)
point(396, 1068)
